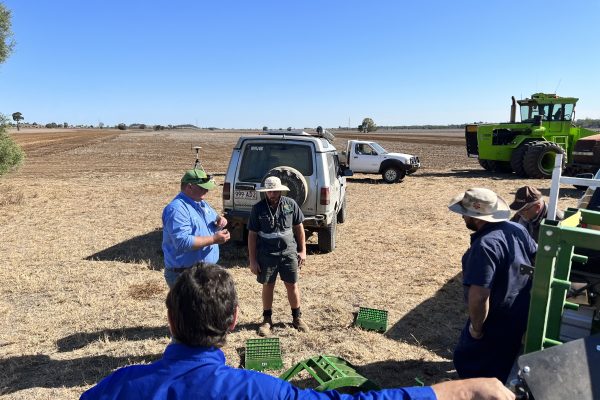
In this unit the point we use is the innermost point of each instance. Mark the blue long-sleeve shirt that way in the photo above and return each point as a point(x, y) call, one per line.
point(184, 218)
point(201, 373)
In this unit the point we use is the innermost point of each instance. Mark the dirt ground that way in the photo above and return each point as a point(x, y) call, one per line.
point(82, 285)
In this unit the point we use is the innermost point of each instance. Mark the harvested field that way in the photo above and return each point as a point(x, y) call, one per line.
point(82, 285)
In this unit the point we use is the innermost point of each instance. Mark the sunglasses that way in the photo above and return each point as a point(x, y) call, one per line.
point(202, 180)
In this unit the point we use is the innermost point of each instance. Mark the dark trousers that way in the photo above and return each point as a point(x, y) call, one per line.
point(491, 356)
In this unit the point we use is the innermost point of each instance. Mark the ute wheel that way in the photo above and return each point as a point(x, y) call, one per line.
point(341, 215)
point(539, 159)
point(517, 158)
point(393, 174)
point(293, 179)
point(326, 237)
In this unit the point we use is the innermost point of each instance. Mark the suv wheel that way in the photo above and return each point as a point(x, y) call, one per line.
point(327, 237)
point(293, 179)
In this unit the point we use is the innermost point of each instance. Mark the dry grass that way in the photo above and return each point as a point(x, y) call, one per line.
point(82, 287)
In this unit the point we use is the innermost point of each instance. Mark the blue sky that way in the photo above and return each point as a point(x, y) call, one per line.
point(246, 64)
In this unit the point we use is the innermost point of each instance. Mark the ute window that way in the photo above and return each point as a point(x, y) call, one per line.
point(259, 158)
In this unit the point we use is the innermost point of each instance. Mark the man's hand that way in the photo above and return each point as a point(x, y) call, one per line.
point(221, 222)
point(221, 236)
point(474, 333)
point(473, 389)
point(254, 267)
point(301, 258)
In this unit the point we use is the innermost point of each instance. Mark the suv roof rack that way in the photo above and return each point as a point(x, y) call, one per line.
point(319, 132)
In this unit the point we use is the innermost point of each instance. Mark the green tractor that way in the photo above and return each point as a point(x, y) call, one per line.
point(529, 147)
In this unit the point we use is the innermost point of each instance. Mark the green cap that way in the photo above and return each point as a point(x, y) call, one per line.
point(199, 177)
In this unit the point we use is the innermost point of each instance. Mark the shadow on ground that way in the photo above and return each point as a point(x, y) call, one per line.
point(35, 371)
point(435, 323)
point(140, 249)
point(82, 339)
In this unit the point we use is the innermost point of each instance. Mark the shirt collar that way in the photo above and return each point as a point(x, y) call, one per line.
point(179, 351)
point(189, 200)
point(490, 226)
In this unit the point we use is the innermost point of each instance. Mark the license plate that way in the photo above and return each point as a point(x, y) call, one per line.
point(245, 195)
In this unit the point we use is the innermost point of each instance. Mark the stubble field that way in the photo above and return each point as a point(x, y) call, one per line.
point(82, 285)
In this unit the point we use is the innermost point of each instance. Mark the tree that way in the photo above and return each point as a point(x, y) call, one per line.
point(101, 125)
point(17, 116)
point(7, 43)
point(121, 126)
point(265, 128)
point(11, 155)
point(367, 125)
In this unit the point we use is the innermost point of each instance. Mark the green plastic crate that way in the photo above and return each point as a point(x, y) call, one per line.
point(263, 354)
point(372, 319)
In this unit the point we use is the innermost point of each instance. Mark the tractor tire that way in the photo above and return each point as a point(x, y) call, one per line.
point(495, 166)
point(517, 158)
point(326, 237)
point(341, 215)
point(539, 159)
point(393, 174)
point(293, 179)
point(485, 164)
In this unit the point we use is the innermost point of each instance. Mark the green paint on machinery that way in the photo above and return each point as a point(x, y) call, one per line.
point(331, 373)
point(528, 148)
point(372, 319)
point(550, 313)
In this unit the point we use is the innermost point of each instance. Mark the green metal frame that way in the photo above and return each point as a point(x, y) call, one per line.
point(552, 273)
point(331, 373)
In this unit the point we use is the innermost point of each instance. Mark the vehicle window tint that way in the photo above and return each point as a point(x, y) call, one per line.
point(259, 158)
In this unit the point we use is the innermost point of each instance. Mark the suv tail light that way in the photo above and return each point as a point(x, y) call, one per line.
point(226, 191)
point(325, 196)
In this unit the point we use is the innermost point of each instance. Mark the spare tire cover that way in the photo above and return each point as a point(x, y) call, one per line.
point(293, 179)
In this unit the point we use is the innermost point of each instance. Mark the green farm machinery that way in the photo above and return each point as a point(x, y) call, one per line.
point(529, 147)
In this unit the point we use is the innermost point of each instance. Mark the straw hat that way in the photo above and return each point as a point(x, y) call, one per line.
point(482, 204)
point(273, 184)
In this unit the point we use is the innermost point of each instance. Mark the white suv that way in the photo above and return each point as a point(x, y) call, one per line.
point(307, 163)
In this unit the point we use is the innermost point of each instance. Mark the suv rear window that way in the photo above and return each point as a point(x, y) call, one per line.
point(259, 158)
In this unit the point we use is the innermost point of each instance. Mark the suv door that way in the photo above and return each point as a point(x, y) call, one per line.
point(258, 157)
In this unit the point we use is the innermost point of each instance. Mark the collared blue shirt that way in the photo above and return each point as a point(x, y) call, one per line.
point(493, 261)
point(184, 218)
point(200, 373)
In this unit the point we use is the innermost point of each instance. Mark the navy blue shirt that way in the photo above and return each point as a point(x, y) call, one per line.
point(183, 219)
point(493, 260)
point(200, 373)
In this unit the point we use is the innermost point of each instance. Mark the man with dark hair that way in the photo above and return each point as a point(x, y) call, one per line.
point(192, 229)
point(496, 293)
point(202, 310)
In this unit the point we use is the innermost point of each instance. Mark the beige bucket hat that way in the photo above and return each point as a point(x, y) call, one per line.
point(273, 184)
point(481, 203)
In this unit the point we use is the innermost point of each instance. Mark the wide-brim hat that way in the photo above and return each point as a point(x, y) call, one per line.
point(481, 203)
point(200, 178)
point(273, 184)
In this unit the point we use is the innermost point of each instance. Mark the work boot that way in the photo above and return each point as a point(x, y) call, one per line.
point(300, 325)
point(264, 329)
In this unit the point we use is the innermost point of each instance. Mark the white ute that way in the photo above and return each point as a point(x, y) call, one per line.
point(370, 158)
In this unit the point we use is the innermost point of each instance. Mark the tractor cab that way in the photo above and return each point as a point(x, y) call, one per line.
point(547, 107)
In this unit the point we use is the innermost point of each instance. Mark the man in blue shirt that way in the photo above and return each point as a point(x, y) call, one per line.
point(202, 309)
point(192, 230)
point(496, 293)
